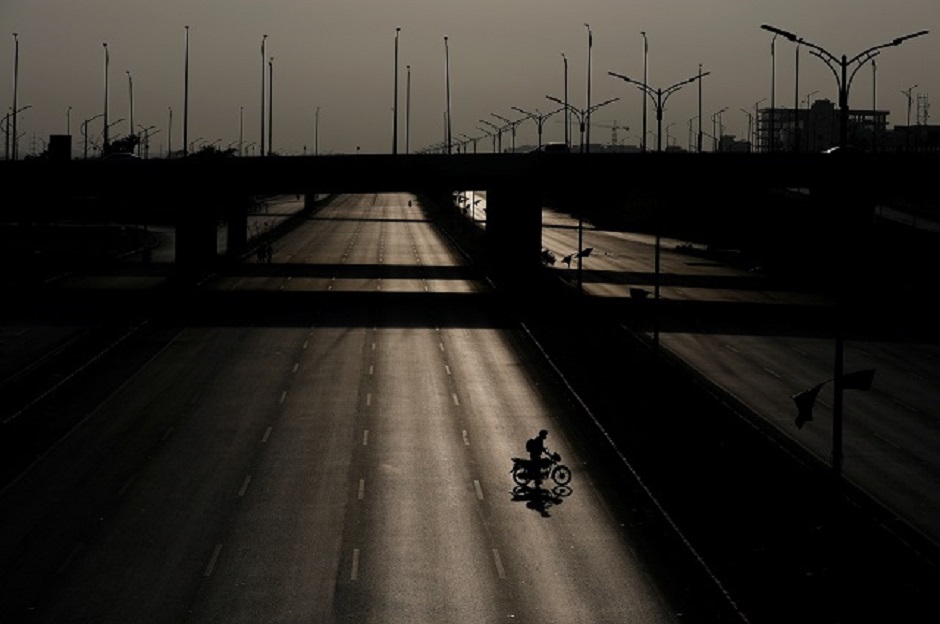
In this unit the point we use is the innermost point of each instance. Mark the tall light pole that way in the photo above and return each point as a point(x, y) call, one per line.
point(839, 67)
point(539, 119)
point(646, 50)
point(567, 114)
point(316, 132)
point(699, 108)
point(659, 97)
point(512, 127)
point(130, 93)
point(581, 115)
point(105, 114)
point(587, 120)
point(264, 58)
point(447, 81)
point(186, 98)
point(68, 121)
point(395, 105)
point(408, 110)
point(907, 94)
point(16, 80)
point(773, 86)
point(85, 133)
point(797, 131)
point(270, 105)
point(241, 130)
point(750, 125)
point(169, 134)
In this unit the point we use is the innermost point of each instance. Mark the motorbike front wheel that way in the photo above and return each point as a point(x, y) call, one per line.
point(561, 475)
point(520, 474)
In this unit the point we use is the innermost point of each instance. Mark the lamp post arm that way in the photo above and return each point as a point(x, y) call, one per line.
point(835, 72)
point(861, 63)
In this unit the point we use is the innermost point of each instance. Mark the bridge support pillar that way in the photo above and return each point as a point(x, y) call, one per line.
point(236, 215)
point(514, 232)
point(196, 235)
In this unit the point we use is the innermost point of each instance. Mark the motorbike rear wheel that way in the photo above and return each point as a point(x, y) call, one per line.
point(520, 474)
point(561, 474)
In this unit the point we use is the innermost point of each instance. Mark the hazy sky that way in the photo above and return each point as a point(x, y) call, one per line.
point(338, 55)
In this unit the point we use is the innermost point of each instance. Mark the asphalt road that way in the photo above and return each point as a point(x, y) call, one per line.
point(328, 437)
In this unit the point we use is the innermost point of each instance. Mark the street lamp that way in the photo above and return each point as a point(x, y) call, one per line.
point(498, 144)
point(716, 129)
point(907, 94)
point(6, 127)
point(512, 127)
point(750, 124)
point(130, 92)
point(447, 81)
point(539, 119)
point(16, 76)
point(489, 134)
point(659, 97)
point(408, 110)
point(105, 114)
point(581, 115)
point(587, 120)
point(395, 103)
point(186, 97)
point(567, 117)
point(646, 50)
point(270, 105)
point(316, 132)
point(264, 58)
point(839, 67)
point(844, 83)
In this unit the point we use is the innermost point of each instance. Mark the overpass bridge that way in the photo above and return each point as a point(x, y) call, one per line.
point(194, 193)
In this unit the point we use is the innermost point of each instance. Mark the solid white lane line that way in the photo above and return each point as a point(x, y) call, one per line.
point(127, 484)
point(354, 574)
point(365, 437)
point(478, 488)
point(68, 560)
point(772, 372)
point(213, 560)
point(499, 564)
point(362, 489)
point(267, 434)
point(244, 487)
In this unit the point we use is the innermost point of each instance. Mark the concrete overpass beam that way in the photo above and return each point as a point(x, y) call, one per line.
point(514, 232)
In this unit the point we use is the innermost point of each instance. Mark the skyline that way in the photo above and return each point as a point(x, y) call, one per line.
point(339, 57)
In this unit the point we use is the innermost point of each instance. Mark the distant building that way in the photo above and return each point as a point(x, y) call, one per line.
point(818, 128)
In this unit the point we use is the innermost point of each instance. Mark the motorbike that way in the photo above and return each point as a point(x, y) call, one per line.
point(550, 468)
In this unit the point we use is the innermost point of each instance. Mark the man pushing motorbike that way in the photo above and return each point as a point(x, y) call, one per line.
point(535, 447)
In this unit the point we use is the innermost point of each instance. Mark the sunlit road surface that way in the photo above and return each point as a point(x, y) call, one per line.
point(891, 433)
point(347, 466)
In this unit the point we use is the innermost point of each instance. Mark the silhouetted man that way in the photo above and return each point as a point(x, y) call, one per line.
point(535, 447)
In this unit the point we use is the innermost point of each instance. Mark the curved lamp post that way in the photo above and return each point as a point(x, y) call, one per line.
point(839, 67)
point(540, 120)
point(659, 97)
point(582, 115)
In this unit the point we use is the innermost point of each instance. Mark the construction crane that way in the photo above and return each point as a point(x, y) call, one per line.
point(613, 129)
